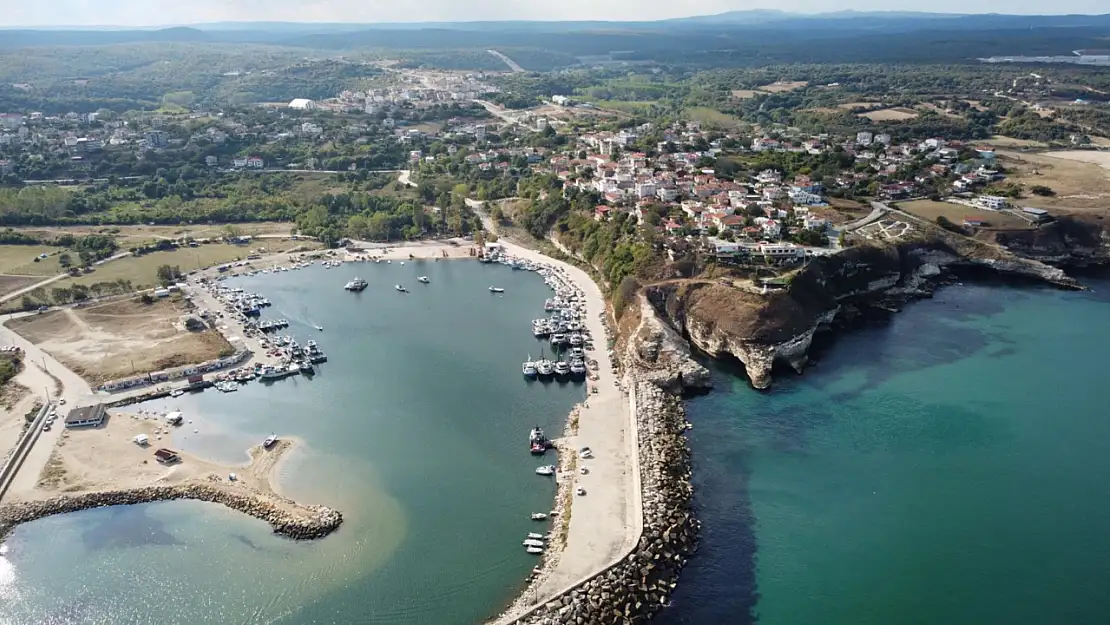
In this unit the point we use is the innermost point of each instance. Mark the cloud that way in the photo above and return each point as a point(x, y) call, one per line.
point(171, 12)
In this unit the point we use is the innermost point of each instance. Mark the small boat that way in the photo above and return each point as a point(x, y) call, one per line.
point(356, 285)
point(529, 367)
point(177, 393)
point(423, 280)
point(538, 516)
point(546, 470)
point(535, 535)
point(544, 367)
point(270, 441)
point(534, 550)
point(400, 288)
point(496, 289)
point(306, 367)
point(319, 328)
point(577, 367)
point(562, 368)
point(531, 542)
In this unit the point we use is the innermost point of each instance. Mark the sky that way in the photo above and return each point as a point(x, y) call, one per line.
point(177, 12)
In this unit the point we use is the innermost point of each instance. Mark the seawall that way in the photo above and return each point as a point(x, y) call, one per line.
point(285, 517)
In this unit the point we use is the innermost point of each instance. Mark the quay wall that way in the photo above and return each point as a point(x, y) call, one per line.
point(291, 520)
point(639, 582)
point(178, 373)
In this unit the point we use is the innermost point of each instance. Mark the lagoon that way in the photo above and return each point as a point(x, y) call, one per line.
point(416, 429)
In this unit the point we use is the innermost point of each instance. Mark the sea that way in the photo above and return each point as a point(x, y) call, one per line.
point(416, 428)
point(946, 464)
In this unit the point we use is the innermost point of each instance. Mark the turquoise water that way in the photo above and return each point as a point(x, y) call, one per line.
point(416, 428)
point(949, 466)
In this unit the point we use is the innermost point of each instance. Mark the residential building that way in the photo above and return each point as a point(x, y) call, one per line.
point(255, 162)
point(212, 161)
point(991, 202)
point(864, 138)
point(156, 139)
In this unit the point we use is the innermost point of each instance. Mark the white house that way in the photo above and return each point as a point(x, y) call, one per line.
point(864, 138)
point(211, 161)
point(239, 162)
point(255, 162)
point(991, 202)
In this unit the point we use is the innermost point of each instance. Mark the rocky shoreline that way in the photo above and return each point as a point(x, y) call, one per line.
point(287, 518)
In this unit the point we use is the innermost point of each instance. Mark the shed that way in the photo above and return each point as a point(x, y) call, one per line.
point(86, 416)
point(174, 418)
point(167, 456)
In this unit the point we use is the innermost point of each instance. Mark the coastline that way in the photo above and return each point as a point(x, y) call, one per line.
point(71, 484)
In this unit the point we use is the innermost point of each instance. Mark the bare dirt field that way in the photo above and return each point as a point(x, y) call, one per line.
point(780, 86)
point(1004, 141)
point(853, 105)
point(1080, 182)
point(134, 235)
point(118, 339)
point(890, 115)
point(107, 458)
point(956, 213)
point(10, 284)
point(744, 94)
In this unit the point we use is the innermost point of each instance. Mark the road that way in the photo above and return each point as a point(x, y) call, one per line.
point(499, 112)
point(53, 279)
point(511, 63)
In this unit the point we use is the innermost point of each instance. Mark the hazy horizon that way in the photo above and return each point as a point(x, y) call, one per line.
point(164, 13)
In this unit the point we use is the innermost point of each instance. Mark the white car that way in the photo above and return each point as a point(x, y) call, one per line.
point(586, 453)
point(580, 491)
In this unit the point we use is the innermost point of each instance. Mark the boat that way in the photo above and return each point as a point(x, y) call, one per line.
point(534, 550)
point(577, 367)
point(562, 368)
point(400, 288)
point(177, 393)
point(544, 367)
point(3, 549)
point(529, 367)
point(535, 535)
point(306, 367)
point(423, 280)
point(546, 470)
point(319, 328)
point(532, 542)
point(538, 516)
point(496, 289)
point(537, 442)
point(356, 285)
point(270, 441)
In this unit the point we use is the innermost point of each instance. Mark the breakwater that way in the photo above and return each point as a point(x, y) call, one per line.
point(641, 583)
point(286, 517)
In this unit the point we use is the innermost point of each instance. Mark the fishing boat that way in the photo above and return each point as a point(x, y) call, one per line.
point(534, 550)
point(496, 289)
point(423, 280)
point(546, 470)
point(577, 367)
point(544, 367)
point(270, 441)
point(561, 368)
point(356, 285)
point(306, 367)
point(400, 288)
point(529, 367)
point(538, 516)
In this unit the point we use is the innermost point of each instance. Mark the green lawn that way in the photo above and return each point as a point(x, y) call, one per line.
point(20, 260)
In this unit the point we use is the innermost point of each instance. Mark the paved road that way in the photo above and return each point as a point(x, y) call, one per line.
point(511, 63)
point(53, 279)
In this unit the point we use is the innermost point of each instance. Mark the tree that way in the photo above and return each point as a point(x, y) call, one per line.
point(65, 260)
point(1040, 189)
point(168, 275)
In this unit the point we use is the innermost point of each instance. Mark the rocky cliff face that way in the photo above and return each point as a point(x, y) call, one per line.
point(1066, 242)
point(761, 329)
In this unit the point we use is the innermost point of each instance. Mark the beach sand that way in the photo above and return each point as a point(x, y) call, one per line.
point(107, 458)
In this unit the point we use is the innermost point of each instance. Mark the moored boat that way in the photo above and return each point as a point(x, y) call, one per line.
point(529, 367)
point(538, 516)
point(496, 289)
point(561, 368)
point(534, 550)
point(532, 542)
point(356, 285)
point(270, 441)
point(546, 470)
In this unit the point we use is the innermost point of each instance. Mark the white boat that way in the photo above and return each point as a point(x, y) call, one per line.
point(544, 367)
point(496, 289)
point(270, 441)
point(535, 535)
point(562, 368)
point(546, 470)
point(356, 285)
point(577, 367)
point(531, 542)
point(177, 393)
point(319, 328)
point(529, 367)
point(534, 550)
point(423, 280)
point(400, 288)
point(538, 516)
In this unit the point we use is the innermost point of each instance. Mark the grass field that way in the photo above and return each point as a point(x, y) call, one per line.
point(744, 94)
point(890, 115)
point(142, 271)
point(1010, 142)
point(853, 105)
point(630, 107)
point(9, 284)
point(782, 86)
point(131, 236)
point(20, 260)
point(713, 118)
point(1080, 186)
point(956, 213)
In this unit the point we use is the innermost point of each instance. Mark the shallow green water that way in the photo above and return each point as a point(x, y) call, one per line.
point(416, 428)
point(951, 466)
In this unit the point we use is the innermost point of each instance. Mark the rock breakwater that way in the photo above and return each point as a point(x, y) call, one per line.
point(286, 517)
point(641, 583)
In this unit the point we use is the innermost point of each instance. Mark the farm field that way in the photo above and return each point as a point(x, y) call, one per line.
point(956, 213)
point(890, 115)
point(20, 260)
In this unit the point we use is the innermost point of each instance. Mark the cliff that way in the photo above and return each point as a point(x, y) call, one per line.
point(1069, 241)
point(763, 328)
